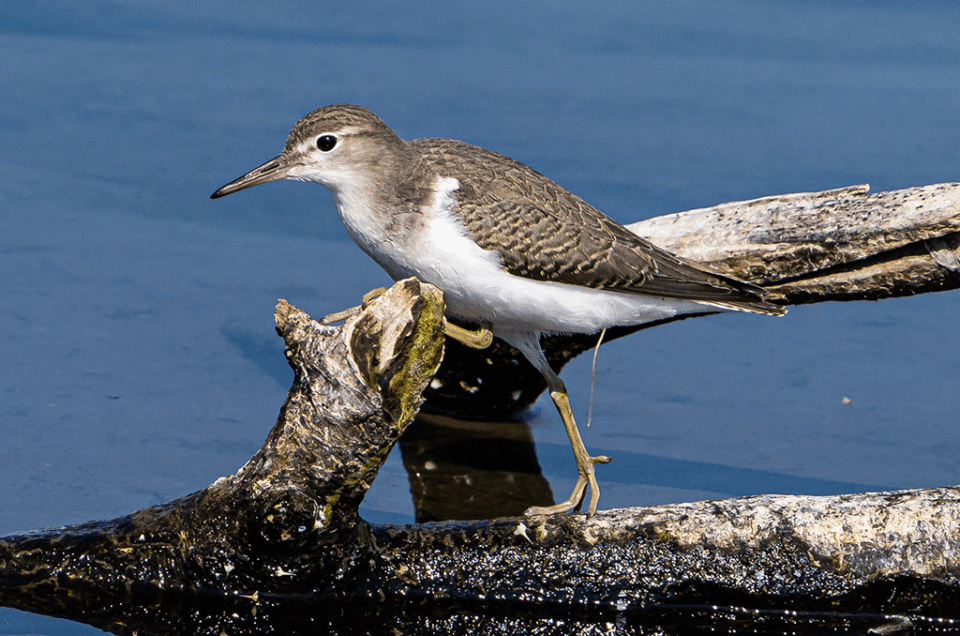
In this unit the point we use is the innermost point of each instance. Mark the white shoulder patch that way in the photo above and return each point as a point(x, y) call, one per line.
point(443, 198)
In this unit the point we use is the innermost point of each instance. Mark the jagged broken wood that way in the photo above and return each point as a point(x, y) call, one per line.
point(285, 529)
point(839, 245)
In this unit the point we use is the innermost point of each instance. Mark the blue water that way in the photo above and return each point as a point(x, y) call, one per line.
point(139, 359)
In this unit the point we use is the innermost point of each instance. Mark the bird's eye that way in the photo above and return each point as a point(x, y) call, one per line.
point(326, 142)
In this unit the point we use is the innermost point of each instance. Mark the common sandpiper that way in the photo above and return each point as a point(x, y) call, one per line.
point(513, 252)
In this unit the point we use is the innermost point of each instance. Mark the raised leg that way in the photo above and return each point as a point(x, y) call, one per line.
point(476, 339)
point(340, 316)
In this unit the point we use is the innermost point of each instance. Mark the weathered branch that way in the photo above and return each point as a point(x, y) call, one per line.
point(283, 535)
point(841, 244)
point(837, 245)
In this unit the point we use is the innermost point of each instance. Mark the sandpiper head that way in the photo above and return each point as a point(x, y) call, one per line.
point(334, 146)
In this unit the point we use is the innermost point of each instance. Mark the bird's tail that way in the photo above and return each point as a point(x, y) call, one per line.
point(752, 298)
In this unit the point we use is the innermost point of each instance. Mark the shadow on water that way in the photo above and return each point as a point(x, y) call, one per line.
point(462, 470)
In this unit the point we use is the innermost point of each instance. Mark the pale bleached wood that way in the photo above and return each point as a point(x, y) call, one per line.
point(843, 244)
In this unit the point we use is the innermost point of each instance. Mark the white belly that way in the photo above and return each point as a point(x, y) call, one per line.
point(476, 288)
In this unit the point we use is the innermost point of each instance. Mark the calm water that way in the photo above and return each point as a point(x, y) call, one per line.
point(136, 334)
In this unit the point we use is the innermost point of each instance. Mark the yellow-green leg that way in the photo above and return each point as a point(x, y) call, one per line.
point(340, 316)
point(529, 345)
point(477, 339)
point(586, 475)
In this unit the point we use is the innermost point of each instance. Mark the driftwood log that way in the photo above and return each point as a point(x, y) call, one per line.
point(279, 545)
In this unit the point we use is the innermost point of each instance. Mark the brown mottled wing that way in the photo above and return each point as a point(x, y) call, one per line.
point(544, 232)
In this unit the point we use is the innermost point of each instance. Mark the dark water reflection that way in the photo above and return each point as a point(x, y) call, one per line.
point(145, 614)
point(467, 470)
point(463, 470)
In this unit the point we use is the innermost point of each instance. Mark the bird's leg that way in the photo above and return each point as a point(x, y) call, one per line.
point(373, 293)
point(475, 338)
point(586, 474)
point(340, 316)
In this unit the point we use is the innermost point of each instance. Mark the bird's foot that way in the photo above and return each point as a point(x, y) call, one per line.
point(585, 462)
point(474, 338)
point(586, 477)
point(340, 316)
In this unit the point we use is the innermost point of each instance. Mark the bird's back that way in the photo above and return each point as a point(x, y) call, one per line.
point(542, 231)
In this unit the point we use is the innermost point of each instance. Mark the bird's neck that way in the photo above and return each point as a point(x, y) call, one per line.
point(383, 209)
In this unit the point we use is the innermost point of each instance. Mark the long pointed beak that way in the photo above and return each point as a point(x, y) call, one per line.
point(271, 171)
